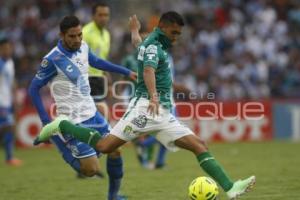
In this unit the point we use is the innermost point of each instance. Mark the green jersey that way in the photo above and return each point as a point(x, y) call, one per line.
point(130, 62)
point(153, 52)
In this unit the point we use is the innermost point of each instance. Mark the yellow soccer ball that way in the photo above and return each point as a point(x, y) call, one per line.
point(203, 188)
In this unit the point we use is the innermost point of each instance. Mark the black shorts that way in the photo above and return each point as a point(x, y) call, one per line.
point(98, 88)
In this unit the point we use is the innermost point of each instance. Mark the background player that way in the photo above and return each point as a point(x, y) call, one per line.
point(65, 67)
point(7, 76)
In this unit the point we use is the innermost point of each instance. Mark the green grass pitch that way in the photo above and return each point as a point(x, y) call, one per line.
point(45, 176)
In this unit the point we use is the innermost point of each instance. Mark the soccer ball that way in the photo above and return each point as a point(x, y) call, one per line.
point(203, 188)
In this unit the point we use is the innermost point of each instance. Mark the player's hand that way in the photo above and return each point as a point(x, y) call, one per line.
point(134, 23)
point(133, 76)
point(153, 108)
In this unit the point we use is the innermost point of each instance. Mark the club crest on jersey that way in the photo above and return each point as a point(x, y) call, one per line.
point(140, 121)
point(44, 63)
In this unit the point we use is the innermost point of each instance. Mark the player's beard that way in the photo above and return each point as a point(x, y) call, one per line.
point(74, 47)
point(71, 46)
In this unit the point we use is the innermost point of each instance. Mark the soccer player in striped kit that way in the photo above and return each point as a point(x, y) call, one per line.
point(65, 68)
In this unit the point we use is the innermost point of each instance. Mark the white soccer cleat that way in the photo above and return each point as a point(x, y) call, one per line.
point(240, 187)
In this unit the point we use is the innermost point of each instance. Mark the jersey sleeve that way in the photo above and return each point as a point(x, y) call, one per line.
point(45, 73)
point(98, 63)
point(151, 57)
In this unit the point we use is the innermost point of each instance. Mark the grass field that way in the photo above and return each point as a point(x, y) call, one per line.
point(45, 176)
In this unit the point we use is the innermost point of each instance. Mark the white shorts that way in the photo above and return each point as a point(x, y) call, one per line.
point(137, 121)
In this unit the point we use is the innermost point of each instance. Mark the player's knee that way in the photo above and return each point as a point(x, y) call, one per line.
point(104, 148)
point(115, 154)
point(89, 166)
point(89, 171)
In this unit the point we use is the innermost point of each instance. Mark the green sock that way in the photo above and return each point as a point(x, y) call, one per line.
point(86, 135)
point(150, 152)
point(212, 168)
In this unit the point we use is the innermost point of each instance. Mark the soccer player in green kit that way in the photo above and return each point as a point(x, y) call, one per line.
point(149, 110)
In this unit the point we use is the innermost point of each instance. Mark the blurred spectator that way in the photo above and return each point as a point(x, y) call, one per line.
point(251, 45)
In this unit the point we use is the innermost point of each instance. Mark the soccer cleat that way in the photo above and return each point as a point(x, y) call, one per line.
point(159, 166)
point(240, 187)
point(49, 130)
point(14, 162)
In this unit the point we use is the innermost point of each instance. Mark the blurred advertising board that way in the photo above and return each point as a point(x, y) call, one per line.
point(213, 121)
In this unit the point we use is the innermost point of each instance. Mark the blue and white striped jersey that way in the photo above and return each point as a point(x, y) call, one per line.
point(67, 76)
point(66, 73)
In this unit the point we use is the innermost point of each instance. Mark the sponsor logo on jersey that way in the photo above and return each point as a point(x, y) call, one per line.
point(151, 49)
point(150, 56)
point(140, 121)
point(127, 130)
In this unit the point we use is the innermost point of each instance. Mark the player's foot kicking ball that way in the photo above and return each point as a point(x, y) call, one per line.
point(240, 187)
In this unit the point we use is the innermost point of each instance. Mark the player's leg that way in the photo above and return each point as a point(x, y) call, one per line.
point(145, 149)
point(7, 133)
point(90, 166)
point(8, 142)
point(82, 158)
point(213, 168)
point(104, 144)
point(114, 167)
point(140, 151)
point(161, 156)
point(149, 145)
point(114, 161)
point(205, 159)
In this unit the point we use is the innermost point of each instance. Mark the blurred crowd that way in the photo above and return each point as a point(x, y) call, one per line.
point(234, 49)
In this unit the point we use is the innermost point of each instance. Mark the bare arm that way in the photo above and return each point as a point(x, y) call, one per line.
point(135, 25)
point(150, 82)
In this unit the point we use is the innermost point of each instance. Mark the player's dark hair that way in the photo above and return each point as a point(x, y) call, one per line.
point(68, 22)
point(171, 17)
point(98, 4)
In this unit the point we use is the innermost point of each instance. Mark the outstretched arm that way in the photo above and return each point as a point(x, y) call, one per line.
point(135, 26)
point(98, 63)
